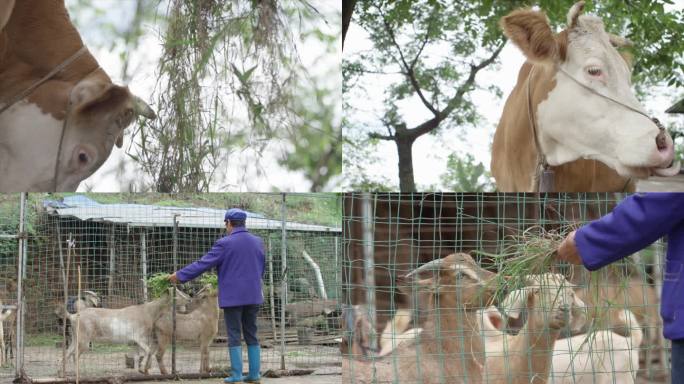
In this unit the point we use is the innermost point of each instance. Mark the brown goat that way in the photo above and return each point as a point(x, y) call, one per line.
point(450, 348)
point(200, 325)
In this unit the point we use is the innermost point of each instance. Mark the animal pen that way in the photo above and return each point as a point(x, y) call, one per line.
point(117, 246)
point(405, 325)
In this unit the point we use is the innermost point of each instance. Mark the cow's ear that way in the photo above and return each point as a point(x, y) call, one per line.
point(110, 98)
point(6, 7)
point(531, 32)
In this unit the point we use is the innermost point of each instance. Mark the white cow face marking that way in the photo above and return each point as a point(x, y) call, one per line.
point(27, 148)
point(575, 122)
point(30, 137)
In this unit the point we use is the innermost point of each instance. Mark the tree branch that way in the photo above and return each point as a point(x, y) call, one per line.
point(375, 135)
point(431, 124)
point(410, 74)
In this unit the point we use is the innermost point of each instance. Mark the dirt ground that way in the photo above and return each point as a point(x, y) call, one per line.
point(41, 362)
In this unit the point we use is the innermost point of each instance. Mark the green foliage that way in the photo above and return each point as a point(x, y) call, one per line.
point(316, 137)
point(230, 80)
point(209, 278)
point(321, 209)
point(158, 284)
point(464, 174)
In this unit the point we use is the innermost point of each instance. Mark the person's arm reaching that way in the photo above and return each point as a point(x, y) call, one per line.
point(636, 222)
point(208, 261)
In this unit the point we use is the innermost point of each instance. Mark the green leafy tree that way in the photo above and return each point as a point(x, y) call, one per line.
point(464, 174)
point(431, 51)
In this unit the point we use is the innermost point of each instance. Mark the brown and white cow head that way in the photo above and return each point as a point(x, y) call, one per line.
point(575, 122)
point(80, 101)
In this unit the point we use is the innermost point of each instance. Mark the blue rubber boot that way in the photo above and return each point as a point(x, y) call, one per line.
point(235, 365)
point(254, 355)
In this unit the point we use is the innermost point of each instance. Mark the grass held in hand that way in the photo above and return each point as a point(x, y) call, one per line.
point(158, 284)
point(209, 278)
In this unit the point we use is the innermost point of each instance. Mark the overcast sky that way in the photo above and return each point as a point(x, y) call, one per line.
point(241, 174)
point(429, 152)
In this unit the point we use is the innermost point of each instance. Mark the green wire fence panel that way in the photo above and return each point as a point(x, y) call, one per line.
point(120, 243)
point(9, 248)
point(465, 288)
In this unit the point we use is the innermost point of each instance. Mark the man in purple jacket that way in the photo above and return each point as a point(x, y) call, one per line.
point(636, 222)
point(239, 258)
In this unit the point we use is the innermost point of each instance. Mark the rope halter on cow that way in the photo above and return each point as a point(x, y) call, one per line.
point(25, 93)
point(544, 175)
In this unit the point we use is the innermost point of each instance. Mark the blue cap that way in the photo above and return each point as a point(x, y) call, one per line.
point(236, 214)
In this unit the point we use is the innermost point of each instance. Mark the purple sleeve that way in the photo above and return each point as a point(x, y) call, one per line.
point(636, 222)
point(208, 261)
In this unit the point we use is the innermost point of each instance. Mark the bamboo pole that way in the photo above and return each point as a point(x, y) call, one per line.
point(21, 273)
point(317, 272)
point(65, 274)
point(283, 299)
point(78, 326)
point(271, 290)
point(173, 302)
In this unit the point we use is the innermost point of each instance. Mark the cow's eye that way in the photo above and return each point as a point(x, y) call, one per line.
point(594, 71)
point(83, 158)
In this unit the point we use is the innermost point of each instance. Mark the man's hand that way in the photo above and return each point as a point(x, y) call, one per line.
point(567, 250)
point(173, 278)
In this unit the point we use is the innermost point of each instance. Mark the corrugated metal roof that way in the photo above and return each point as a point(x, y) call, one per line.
point(139, 215)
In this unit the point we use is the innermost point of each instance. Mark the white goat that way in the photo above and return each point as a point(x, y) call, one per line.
point(5, 313)
point(601, 357)
point(121, 326)
point(199, 325)
point(527, 357)
point(397, 332)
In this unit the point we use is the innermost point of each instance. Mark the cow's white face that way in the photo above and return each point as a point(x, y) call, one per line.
point(574, 122)
point(27, 148)
point(30, 136)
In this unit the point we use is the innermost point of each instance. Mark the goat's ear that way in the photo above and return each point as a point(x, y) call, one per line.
point(579, 314)
point(518, 300)
point(531, 32)
point(6, 8)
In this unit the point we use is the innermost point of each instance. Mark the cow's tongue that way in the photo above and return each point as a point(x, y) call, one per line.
point(672, 170)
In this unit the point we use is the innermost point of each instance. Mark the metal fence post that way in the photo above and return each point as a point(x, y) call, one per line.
point(21, 273)
point(143, 262)
point(658, 262)
point(369, 264)
point(283, 300)
point(173, 312)
point(271, 289)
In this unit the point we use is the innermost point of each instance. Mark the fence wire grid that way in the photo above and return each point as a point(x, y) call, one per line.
point(492, 312)
point(119, 245)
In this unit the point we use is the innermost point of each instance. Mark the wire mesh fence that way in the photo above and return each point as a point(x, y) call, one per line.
point(449, 288)
point(117, 246)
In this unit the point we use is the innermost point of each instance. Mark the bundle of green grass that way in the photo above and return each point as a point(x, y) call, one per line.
point(533, 252)
point(211, 279)
point(159, 283)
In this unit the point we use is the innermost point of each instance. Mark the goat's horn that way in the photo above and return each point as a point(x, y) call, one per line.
point(430, 266)
point(142, 109)
point(619, 41)
point(574, 13)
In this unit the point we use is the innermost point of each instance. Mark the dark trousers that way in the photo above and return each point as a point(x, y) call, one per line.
point(677, 361)
point(243, 317)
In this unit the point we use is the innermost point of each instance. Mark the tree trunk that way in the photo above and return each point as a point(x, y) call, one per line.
point(347, 11)
point(404, 150)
